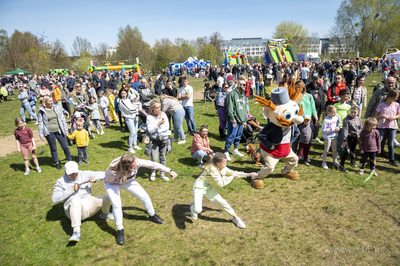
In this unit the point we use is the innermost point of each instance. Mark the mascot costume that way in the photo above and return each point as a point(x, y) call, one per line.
point(283, 111)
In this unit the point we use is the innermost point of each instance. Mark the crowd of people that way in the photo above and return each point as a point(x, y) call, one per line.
point(333, 93)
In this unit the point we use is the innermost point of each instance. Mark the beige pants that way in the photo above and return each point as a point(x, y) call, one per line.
point(271, 161)
point(80, 209)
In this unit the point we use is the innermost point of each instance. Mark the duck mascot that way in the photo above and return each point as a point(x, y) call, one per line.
point(283, 111)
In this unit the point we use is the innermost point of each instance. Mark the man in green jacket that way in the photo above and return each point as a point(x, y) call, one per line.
point(236, 111)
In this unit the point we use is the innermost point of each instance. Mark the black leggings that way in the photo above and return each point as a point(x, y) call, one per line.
point(372, 160)
point(352, 144)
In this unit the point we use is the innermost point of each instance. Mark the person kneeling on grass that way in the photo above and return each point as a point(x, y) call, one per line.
point(122, 174)
point(75, 188)
point(215, 172)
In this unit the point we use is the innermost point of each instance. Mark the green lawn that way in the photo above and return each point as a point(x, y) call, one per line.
point(326, 217)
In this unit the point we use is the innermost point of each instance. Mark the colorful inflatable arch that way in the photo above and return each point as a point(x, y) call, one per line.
point(121, 66)
point(279, 52)
point(236, 58)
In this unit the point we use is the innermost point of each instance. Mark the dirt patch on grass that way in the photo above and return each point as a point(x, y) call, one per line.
point(8, 145)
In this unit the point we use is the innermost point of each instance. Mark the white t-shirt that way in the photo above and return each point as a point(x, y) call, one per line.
point(304, 73)
point(220, 81)
point(185, 91)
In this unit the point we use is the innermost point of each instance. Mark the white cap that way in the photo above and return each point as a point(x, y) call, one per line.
point(269, 76)
point(71, 167)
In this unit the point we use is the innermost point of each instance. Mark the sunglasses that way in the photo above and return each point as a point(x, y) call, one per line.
point(226, 87)
point(203, 126)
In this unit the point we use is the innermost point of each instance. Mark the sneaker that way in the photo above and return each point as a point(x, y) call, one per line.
point(396, 143)
point(306, 163)
point(86, 161)
point(97, 132)
point(102, 132)
point(156, 219)
point(27, 171)
point(394, 163)
point(236, 152)
point(343, 169)
point(58, 166)
point(75, 237)
point(201, 165)
point(336, 165)
point(317, 140)
point(174, 140)
point(39, 170)
point(36, 123)
point(228, 158)
point(163, 177)
point(353, 164)
point(374, 173)
point(324, 165)
point(308, 160)
point(191, 214)
point(182, 141)
point(109, 215)
point(80, 163)
point(239, 223)
point(153, 176)
point(361, 172)
point(137, 147)
point(120, 237)
point(131, 150)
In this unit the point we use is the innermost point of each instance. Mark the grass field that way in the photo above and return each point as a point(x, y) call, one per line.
point(326, 217)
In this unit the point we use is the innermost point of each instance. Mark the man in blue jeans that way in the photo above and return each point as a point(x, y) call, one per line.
point(236, 112)
point(186, 96)
point(25, 105)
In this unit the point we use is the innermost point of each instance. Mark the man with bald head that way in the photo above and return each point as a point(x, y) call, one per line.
point(379, 96)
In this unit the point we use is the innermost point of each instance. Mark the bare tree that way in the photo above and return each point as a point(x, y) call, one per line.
point(81, 46)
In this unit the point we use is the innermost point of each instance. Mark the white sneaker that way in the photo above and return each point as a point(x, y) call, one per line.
point(97, 132)
point(396, 143)
point(336, 164)
point(174, 140)
point(182, 141)
point(193, 215)
point(324, 165)
point(36, 123)
point(163, 177)
point(374, 173)
point(131, 150)
point(239, 223)
point(39, 170)
point(109, 215)
point(75, 237)
point(228, 158)
point(236, 152)
point(102, 132)
point(137, 147)
point(361, 172)
point(153, 176)
point(27, 171)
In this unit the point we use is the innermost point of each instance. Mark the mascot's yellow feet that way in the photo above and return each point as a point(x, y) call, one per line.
point(257, 183)
point(292, 175)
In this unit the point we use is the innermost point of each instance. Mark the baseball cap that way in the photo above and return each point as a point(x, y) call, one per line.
point(269, 76)
point(71, 167)
point(307, 117)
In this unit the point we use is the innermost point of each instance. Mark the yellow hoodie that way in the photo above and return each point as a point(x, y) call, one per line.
point(81, 137)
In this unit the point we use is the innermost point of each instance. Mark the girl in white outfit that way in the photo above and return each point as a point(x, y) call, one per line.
point(122, 174)
point(215, 173)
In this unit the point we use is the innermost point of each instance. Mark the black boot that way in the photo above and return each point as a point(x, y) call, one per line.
point(120, 237)
point(222, 133)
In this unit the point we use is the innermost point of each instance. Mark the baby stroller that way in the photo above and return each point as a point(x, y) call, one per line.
point(251, 127)
point(210, 94)
point(80, 115)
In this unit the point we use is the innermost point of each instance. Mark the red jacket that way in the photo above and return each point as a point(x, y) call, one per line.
point(334, 91)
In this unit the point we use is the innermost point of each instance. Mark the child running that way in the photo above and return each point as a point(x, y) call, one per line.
point(215, 172)
point(95, 115)
point(25, 143)
point(387, 114)
point(369, 144)
point(81, 137)
point(330, 129)
point(352, 127)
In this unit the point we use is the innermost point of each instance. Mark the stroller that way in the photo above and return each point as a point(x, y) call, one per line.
point(252, 126)
point(80, 115)
point(210, 94)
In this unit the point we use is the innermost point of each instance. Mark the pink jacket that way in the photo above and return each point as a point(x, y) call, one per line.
point(198, 143)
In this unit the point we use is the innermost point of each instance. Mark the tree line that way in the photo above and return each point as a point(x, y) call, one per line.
point(366, 26)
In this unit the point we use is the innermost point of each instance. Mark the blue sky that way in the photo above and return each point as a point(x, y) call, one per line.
point(99, 21)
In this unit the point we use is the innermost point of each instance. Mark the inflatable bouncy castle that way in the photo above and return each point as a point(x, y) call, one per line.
point(190, 64)
point(279, 52)
point(235, 57)
point(121, 66)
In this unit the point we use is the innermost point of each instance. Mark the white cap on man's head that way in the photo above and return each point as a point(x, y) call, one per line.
point(71, 167)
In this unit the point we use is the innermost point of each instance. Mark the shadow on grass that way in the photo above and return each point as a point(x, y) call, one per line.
point(180, 219)
point(56, 213)
point(133, 216)
point(115, 144)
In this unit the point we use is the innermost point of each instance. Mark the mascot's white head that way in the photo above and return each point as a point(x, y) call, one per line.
point(283, 109)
